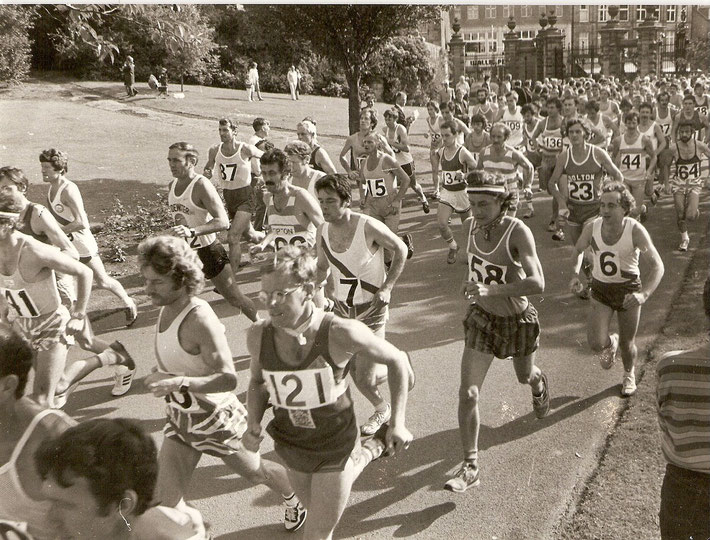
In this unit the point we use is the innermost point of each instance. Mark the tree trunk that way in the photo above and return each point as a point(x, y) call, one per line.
point(182, 83)
point(353, 78)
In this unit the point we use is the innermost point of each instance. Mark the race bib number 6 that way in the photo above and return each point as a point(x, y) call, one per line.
point(303, 389)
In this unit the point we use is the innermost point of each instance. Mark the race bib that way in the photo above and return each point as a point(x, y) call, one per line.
point(581, 190)
point(688, 172)
point(196, 242)
point(631, 161)
point(360, 162)
point(20, 301)
point(514, 126)
point(552, 143)
point(449, 177)
point(482, 271)
point(375, 187)
point(303, 389)
point(287, 235)
point(666, 128)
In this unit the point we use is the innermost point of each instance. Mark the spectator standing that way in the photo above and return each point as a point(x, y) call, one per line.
point(253, 82)
point(129, 76)
point(298, 83)
point(463, 86)
point(292, 79)
point(163, 83)
point(683, 412)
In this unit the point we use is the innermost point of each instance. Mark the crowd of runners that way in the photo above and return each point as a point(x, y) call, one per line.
point(330, 254)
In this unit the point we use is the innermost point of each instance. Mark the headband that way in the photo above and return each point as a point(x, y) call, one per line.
point(9, 215)
point(489, 189)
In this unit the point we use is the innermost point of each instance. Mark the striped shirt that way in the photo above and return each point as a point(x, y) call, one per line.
point(683, 402)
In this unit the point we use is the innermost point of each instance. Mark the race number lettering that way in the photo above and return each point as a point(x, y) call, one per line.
point(286, 235)
point(686, 171)
point(228, 171)
point(375, 187)
point(352, 284)
point(666, 128)
point(631, 161)
point(21, 302)
point(303, 389)
point(196, 241)
point(449, 177)
point(582, 190)
point(514, 126)
point(607, 263)
point(552, 143)
point(486, 272)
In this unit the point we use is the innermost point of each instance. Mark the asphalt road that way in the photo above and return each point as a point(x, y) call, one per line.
point(530, 469)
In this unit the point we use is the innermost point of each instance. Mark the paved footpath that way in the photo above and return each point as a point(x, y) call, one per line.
point(529, 468)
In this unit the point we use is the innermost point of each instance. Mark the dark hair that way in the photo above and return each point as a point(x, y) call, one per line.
point(684, 122)
point(16, 176)
point(113, 454)
point(275, 156)
point(16, 358)
point(625, 104)
point(259, 123)
point(339, 183)
point(450, 125)
point(433, 104)
point(10, 203)
point(373, 116)
point(646, 105)
point(592, 105)
point(172, 256)
point(478, 118)
point(58, 159)
point(630, 116)
point(626, 199)
point(689, 97)
point(231, 123)
point(527, 108)
point(189, 150)
point(554, 101)
point(575, 122)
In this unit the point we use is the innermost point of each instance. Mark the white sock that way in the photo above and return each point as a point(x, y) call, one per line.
point(291, 500)
point(684, 236)
point(452, 243)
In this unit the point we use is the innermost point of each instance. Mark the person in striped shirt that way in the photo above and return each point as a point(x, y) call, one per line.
point(684, 418)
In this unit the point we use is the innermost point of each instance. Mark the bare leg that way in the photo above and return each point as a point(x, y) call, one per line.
point(176, 463)
point(257, 471)
point(628, 326)
point(227, 287)
point(240, 226)
point(474, 367)
point(49, 365)
point(104, 281)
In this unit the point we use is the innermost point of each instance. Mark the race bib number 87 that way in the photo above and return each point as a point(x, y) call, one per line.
point(303, 389)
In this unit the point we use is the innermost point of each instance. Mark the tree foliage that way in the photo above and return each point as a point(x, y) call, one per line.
point(15, 58)
point(351, 34)
point(698, 52)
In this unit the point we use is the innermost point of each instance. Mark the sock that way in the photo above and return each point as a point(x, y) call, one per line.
point(471, 458)
point(109, 357)
point(291, 500)
point(452, 243)
point(542, 387)
point(684, 236)
point(382, 407)
point(631, 372)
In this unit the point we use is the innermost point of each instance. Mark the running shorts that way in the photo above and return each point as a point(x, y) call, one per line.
point(612, 294)
point(408, 168)
point(237, 200)
point(45, 331)
point(579, 214)
point(456, 200)
point(374, 320)
point(547, 167)
point(214, 258)
point(516, 335)
point(685, 188)
point(217, 432)
point(381, 208)
point(310, 462)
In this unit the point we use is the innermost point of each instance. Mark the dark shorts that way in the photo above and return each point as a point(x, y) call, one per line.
point(408, 168)
point(214, 258)
point(517, 335)
point(547, 167)
point(612, 294)
point(579, 214)
point(313, 463)
point(373, 319)
point(684, 504)
point(237, 200)
point(85, 260)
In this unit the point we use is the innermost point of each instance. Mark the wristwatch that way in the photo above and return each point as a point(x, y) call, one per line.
point(184, 386)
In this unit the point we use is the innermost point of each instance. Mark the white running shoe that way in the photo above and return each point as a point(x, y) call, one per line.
point(684, 243)
point(375, 421)
point(628, 386)
point(465, 477)
point(607, 358)
point(294, 516)
point(122, 380)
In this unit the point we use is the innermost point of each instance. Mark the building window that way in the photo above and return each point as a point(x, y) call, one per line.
point(506, 11)
point(603, 13)
point(623, 13)
point(472, 13)
point(491, 12)
point(640, 13)
point(527, 34)
point(583, 13)
point(583, 39)
point(525, 11)
point(671, 12)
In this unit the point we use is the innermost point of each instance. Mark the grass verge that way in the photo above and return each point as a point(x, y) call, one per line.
point(622, 498)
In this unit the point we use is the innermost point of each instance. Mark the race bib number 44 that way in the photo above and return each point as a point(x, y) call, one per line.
point(303, 389)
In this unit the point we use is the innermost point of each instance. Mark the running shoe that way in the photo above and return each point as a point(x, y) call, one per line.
point(131, 314)
point(541, 403)
point(464, 478)
point(453, 252)
point(122, 380)
point(552, 226)
point(61, 399)
point(376, 421)
point(434, 195)
point(643, 216)
point(294, 516)
point(608, 356)
point(407, 238)
point(425, 206)
point(378, 443)
point(684, 243)
point(559, 235)
point(628, 385)
point(585, 293)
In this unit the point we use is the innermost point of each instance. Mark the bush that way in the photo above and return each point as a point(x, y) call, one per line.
point(15, 55)
point(334, 89)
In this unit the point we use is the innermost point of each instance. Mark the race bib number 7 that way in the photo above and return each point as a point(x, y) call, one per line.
point(303, 389)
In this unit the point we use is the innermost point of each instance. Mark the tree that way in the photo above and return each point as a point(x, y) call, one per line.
point(698, 54)
point(15, 24)
point(351, 35)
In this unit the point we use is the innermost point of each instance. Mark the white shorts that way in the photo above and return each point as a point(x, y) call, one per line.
point(456, 200)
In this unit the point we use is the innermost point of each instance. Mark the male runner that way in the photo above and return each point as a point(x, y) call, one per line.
point(379, 195)
point(199, 214)
point(502, 159)
point(484, 106)
point(687, 182)
point(298, 154)
point(665, 113)
point(67, 207)
point(503, 268)
point(478, 138)
point(602, 123)
point(320, 160)
point(195, 374)
point(512, 117)
point(453, 160)
point(314, 427)
point(398, 139)
point(234, 161)
point(354, 144)
point(616, 242)
point(29, 299)
point(579, 173)
point(260, 139)
point(292, 214)
point(351, 246)
point(690, 114)
point(633, 154)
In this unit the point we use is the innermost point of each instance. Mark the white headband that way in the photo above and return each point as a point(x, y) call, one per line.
point(10, 215)
point(490, 189)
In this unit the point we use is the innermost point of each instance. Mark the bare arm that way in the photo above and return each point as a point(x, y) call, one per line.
point(45, 223)
point(309, 207)
point(553, 184)
point(378, 233)
point(257, 394)
point(71, 197)
point(347, 147)
point(660, 138)
point(206, 196)
point(209, 166)
point(324, 161)
point(322, 267)
point(608, 165)
point(528, 169)
point(649, 255)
